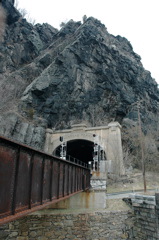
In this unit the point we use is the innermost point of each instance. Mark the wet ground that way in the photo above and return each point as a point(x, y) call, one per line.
point(110, 200)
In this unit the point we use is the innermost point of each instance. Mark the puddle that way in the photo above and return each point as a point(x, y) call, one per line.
point(84, 200)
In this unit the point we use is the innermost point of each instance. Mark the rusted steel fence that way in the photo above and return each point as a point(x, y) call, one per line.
point(31, 180)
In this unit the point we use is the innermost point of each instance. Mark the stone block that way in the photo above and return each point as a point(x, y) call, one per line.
point(13, 234)
point(42, 238)
point(33, 234)
point(3, 234)
point(24, 234)
point(22, 238)
point(157, 199)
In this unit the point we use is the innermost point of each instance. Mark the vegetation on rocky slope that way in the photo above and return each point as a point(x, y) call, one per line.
point(81, 73)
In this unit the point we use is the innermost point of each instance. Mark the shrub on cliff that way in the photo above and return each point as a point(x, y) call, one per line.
point(2, 22)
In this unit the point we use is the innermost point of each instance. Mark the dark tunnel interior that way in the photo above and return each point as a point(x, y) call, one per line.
point(79, 149)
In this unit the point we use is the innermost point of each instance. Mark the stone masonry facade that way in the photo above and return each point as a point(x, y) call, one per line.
point(140, 223)
point(146, 217)
point(91, 226)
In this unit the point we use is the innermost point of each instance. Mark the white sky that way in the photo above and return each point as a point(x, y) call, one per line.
point(136, 20)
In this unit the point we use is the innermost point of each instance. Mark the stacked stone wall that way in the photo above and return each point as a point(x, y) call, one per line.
point(142, 223)
point(146, 220)
point(97, 226)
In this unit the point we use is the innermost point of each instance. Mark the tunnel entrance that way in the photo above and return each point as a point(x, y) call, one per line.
point(79, 149)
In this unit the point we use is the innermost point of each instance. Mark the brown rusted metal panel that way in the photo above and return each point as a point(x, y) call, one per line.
point(36, 180)
point(65, 180)
point(7, 168)
point(68, 179)
point(46, 181)
point(61, 180)
point(31, 179)
point(74, 179)
point(36, 208)
point(55, 180)
point(77, 179)
point(22, 189)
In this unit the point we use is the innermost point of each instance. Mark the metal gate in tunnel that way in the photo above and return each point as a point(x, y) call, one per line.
point(80, 150)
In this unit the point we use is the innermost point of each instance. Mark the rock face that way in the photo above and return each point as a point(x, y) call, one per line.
point(12, 13)
point(80, 73)
point(12, 126)
point(19, 65)
point(22, 44)
point(94, 78)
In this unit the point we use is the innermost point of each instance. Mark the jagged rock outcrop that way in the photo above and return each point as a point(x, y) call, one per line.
point(22, 44)
point(19, 65)
point(13, 126)
point(94, 78)
point(80, 73)
point(13, 15)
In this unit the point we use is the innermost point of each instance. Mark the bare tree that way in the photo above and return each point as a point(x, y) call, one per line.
point(24, 13)
point(2, 22)
point(97, 115)
point(84, 18)
point(142, 147)
point(31, 20)
point(140, 150)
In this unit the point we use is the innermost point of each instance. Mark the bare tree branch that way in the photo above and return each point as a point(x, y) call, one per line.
point(2, 22)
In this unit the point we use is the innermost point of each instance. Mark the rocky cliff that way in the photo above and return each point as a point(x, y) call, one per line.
point(80, 73)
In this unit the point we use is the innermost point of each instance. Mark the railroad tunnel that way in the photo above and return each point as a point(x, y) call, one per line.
point(80, 149)
point(93, 144)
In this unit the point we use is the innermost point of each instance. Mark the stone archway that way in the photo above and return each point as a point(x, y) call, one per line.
point(109, 137)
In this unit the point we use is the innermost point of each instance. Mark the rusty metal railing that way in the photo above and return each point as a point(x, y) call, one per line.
point(31, 180)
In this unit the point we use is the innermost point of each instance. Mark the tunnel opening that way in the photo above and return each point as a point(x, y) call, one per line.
point(79, 149)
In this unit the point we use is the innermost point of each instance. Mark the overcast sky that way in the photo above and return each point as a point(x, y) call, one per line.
point(136, 20)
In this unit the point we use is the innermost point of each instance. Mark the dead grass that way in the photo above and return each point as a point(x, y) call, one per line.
point(116, 205)
point(134, 182)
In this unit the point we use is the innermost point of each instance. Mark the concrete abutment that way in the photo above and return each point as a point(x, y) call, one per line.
point(108, 138)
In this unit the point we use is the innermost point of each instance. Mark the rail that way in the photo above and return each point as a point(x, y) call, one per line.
point(31, 180)
point(72, 159)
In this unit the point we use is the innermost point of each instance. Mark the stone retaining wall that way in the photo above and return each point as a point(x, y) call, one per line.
point(90, 226)
point(146, 210)
point(98, 184)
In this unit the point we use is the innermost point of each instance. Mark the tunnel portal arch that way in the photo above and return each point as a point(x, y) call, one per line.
point(109, 138)
point(80, 149)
